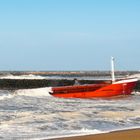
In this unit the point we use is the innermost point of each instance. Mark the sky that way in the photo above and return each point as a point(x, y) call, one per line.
point(45, 35)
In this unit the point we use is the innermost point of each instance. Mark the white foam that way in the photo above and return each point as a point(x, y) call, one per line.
point(37, 92)
point(34, 92)
point(126, 81)
point(30, 76)
point(6, 96)
point(73, 133)
point(136, 93)
point(126, 128)
point(135, 76)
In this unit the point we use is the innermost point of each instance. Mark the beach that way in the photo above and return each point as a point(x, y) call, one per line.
point(131, 134)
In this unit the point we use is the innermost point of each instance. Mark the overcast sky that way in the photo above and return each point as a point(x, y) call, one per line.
point(69, 34)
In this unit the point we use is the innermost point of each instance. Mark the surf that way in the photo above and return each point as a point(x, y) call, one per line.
point(36, 92)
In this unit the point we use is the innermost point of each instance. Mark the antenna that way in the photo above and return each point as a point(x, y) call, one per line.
point(112, 69)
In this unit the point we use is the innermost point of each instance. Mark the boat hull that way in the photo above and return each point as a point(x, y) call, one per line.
point(123, 87)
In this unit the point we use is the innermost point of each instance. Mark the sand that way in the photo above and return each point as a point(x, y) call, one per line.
point(132, 134)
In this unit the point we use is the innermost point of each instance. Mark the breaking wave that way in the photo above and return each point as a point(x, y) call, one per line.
point(32, 114)
point(6, 96)
point(34, 92)
point(38, 92)
point(29, 76)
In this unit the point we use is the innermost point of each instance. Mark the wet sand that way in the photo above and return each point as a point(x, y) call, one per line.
point(132, 134)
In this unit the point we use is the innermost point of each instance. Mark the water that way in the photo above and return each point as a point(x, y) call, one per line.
point(34, 114)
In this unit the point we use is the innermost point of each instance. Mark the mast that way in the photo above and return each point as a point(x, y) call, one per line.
point(112, 70)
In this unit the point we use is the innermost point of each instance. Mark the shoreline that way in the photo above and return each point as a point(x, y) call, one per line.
point(127, 134)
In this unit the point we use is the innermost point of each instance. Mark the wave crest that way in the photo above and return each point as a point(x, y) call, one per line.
point(34, 92)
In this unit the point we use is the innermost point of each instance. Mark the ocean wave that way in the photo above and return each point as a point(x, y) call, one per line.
point(29, 76)
point(6, 96)
point(135, 76)
point(34, 92)
point(33, 114)
point(37, 92)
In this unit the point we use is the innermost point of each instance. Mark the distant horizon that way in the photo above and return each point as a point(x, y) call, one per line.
point(69, 35)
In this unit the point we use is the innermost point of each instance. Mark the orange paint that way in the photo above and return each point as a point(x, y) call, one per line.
point(122, 87)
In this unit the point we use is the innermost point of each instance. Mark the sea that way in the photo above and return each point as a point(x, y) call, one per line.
point(33, 114)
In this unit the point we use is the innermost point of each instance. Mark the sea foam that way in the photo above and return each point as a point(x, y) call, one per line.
point(37, 92)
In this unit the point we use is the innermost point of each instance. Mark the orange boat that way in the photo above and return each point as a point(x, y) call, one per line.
point(115, 88)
